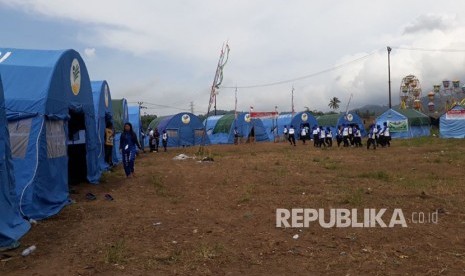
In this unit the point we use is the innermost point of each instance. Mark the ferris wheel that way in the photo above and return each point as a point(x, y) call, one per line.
point(449, 93)
point(410, 93)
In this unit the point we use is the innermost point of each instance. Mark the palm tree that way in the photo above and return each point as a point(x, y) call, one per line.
point(334, 103)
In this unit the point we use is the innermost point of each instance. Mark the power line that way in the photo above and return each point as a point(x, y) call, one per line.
point(165, 106)
point(304, 77)
point(429, 50)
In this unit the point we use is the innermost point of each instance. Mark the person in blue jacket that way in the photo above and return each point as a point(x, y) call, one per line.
point(127, 146)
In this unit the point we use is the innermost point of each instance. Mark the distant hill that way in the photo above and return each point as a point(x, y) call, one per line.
point(370, 110)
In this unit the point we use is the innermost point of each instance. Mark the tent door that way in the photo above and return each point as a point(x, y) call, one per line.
point(77, 163)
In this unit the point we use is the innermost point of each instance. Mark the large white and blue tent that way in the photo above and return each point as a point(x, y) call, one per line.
point(183, 129)
point(220, 129)
point(12, 225)
point(405, 123)
point(103, 115)
point(51, 121)
point(120, 117)
point(135, 120)
point(452, 123)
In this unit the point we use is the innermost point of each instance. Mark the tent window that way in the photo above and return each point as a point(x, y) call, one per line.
point(56, 139)
point(172, 133)
point(199, 132)
point(19, 136)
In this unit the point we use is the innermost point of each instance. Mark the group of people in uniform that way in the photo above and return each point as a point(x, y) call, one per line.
point(347, 135)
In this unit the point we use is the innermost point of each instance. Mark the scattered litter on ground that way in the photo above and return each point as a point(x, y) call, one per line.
point(156, 223)
point(182, 157)
point(28, 250)
point(295, 237)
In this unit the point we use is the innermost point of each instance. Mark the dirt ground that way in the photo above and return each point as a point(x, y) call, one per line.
point(218, 218)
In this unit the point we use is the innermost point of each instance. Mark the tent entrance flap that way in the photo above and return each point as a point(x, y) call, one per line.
point(77, 164)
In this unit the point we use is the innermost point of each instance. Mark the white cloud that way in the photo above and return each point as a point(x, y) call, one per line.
point(178, 42)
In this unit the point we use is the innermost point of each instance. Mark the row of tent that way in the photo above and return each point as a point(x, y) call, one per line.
point(221, 129)
point(52, 131)
point(53, 119)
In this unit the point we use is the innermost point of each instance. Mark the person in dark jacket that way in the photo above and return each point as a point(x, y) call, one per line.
point(127, 146)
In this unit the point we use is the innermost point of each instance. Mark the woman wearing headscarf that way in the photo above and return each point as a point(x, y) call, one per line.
point(127, 146)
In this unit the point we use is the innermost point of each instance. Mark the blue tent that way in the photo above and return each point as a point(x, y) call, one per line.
point(120, 117)
point(334, 120)
point(103, 113)
point(303, 119)
point(405, 123)
point(52, 126)
point(452, 123)
point(220, 129)
point(275, 126)
point(352, 118)
point(183, 129)
point(135, 120)
point(12, 225)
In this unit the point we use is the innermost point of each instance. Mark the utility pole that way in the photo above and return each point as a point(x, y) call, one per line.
point(141, 105)
point(292, 101)
point(389, 75)
point(192, 107)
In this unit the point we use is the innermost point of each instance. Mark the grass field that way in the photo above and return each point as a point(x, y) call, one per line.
point(218, 218)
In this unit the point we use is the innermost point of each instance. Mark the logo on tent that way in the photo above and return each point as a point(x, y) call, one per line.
point(186, 119)
point(247, 118)
point(304, 117)
point(75, 76)
point(107, 95)
point(349, 117)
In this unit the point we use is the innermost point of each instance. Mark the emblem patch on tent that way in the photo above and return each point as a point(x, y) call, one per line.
point(247, 118)
point(304, 117)
point(349, 117)
point(186, 119)
point(75, 76)
point(107, 95)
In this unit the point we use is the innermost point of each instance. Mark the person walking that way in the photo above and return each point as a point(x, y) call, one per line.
point(339, 136)
point(329, 137)
point(372, 137)
point(109, 138)
point(292, 135)
point(345, 135)
point(303, 134)
point(156, 139)
point(286, 133)
point(236, 136)
point(387, 135)
point(164, 139)
point(127, 146)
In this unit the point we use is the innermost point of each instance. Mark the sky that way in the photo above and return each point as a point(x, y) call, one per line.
point(165, 52)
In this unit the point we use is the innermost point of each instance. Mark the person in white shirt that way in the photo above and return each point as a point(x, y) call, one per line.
point(164, 139)
point(303, 134)
point(357, 137)
point(339, 136)
point(292, 135)
point(329, 137)
point(372, 137)
point(322, 137)
point(350, 130)
point(345, 135)
point(315, 136)
point(386, 135)
point(286, 133)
